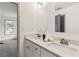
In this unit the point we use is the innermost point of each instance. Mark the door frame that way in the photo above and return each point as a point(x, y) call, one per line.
point(18, 30)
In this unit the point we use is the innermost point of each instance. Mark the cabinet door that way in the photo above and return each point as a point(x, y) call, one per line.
point(45, 53)
point(35, 48)
point(29, 52)
point(33, 54)
point(27, 48)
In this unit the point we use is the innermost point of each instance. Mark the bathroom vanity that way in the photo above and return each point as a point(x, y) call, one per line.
point(34, 50)
point(36, 47)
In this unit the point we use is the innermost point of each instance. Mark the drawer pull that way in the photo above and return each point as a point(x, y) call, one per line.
point(35, 48)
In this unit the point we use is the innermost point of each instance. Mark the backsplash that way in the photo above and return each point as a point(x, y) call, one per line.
point(69, 36)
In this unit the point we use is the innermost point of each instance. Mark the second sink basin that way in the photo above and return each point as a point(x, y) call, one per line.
point(63, 48)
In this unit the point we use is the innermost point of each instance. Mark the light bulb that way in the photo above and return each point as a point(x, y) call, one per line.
point(39, 4)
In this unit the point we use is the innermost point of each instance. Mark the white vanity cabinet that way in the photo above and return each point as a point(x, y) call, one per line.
point(45, 53)
point(33, 50)
point(27, 49)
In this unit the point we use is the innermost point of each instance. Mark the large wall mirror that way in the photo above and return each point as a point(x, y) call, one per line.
point(67, 17)
point(8, 29)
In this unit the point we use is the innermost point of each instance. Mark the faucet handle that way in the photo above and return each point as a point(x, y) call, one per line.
point(63, 41)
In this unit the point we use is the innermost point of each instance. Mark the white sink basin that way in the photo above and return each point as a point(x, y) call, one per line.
point(63, 48)
point(39, 39)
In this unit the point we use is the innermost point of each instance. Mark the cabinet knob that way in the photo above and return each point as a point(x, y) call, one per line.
point(35, 48)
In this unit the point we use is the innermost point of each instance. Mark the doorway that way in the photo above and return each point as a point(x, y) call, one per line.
point(8, 29)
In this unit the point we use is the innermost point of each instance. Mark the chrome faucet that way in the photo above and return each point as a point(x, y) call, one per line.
point(63, 41)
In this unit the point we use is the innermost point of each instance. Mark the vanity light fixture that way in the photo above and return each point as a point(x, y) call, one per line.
point(39, 4)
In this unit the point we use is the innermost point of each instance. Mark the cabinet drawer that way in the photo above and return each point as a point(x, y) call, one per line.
point(35, 48)
point(45, 53)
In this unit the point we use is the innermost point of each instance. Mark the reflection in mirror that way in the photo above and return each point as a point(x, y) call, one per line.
point(8, 29)
point(59, 23)
point(67, 17)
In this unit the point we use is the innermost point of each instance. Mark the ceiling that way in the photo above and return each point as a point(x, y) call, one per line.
point(60, 5)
